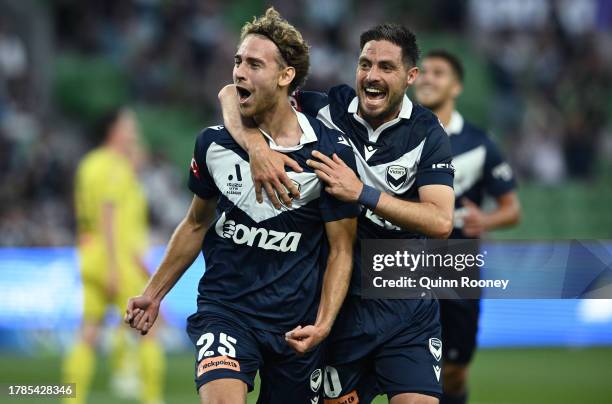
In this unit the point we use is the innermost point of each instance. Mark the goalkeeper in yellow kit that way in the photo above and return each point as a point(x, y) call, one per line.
point(111, 213)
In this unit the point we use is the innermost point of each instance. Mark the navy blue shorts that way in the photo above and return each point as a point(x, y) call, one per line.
point(384, 347)
point(459, 320)
point(226, 348)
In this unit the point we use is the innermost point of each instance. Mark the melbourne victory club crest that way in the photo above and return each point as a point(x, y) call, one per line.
point(316, 378)
point(396, 176)
point(435, 347)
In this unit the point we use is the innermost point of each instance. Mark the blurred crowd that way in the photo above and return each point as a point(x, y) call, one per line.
point(549, 64)
point(552, 75)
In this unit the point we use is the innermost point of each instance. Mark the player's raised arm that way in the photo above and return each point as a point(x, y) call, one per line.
point(499, 182)
point(341, 228)
point(243, 130)
point(267, 166)
point(432, 215)
point(108, 230)
point(341, 236)
point(183, 248)
point(507, 213)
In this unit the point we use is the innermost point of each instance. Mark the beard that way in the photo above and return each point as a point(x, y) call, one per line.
point(433, 105)
point(437, 101)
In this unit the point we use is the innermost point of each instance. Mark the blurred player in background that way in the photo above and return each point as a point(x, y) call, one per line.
point(480, 170)
point(112, 227)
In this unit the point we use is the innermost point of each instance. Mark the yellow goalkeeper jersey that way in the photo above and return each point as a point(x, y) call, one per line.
point(104, 176)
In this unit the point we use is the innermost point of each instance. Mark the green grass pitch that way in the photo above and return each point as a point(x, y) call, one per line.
point(553, 375)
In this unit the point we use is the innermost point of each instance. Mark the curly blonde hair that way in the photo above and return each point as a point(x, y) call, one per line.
point(293, 50)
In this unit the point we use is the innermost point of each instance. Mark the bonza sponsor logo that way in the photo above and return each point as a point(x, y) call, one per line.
point(268, 239)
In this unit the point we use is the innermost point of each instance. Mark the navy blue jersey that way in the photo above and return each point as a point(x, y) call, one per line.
point(398, 157)
point(480, 168)
point(264, 264)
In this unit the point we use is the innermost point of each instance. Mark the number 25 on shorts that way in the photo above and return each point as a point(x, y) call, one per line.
point(226, 346)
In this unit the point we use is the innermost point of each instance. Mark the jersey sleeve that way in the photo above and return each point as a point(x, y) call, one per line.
point(435, 166)
point(331, 208)
point(309, 102)
point(201, 181)
point(498, 175)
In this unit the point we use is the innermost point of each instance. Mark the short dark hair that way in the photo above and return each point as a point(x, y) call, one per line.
point(103, 124)
point(396, 34)
point(293, 49)
point(451, 59)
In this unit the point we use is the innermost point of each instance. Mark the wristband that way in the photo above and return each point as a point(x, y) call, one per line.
point(369, 197)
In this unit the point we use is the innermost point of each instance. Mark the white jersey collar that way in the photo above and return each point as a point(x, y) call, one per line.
point(455, 125)
point(405, 113)
point(308, 135)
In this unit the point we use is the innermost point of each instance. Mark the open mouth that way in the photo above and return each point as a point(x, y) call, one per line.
point(243, 93)
point(373, 93)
